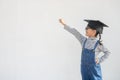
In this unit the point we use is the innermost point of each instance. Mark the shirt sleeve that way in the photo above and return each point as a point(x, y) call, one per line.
point(73, 31)
point(106, 53)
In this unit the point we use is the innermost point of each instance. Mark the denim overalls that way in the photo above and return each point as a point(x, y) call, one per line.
point(89, 69)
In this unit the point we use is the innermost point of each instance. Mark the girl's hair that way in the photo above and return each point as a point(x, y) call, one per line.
point(100, 42)
point(97, 33)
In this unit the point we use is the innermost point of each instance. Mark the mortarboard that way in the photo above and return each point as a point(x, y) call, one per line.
point(96, 25)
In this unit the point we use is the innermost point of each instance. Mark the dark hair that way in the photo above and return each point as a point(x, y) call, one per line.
point(97, 33)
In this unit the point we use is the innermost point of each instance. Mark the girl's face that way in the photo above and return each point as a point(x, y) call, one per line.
point(90, 32)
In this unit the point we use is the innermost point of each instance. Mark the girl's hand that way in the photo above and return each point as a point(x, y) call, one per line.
point(97, 60)
point(62, 21)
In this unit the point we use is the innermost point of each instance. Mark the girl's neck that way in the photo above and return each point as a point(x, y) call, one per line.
point(92, 37)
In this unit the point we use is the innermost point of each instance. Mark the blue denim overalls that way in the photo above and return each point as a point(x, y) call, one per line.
point(89, 69)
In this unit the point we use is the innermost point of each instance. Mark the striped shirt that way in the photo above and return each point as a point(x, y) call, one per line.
point(90, 43)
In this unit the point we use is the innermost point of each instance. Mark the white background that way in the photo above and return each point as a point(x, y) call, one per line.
point(34, 45)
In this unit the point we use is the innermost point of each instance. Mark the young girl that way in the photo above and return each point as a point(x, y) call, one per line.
point(91, 47)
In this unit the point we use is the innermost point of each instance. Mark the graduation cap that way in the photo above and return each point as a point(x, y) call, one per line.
point(96, 25)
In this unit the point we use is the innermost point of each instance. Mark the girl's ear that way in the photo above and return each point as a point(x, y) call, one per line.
point(94, 31)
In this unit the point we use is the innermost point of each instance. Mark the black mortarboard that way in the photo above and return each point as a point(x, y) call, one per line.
point(96, 25)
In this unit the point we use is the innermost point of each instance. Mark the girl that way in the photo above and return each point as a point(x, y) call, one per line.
point(91, 47)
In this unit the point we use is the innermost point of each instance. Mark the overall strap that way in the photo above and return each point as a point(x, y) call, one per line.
point(84, 43)
point(96, 45)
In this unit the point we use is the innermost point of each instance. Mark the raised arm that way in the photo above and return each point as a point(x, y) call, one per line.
point(73, 31)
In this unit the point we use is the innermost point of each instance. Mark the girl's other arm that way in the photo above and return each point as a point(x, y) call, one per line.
point(106, 53)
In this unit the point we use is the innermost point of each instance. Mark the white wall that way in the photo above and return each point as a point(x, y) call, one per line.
point(34, 45)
